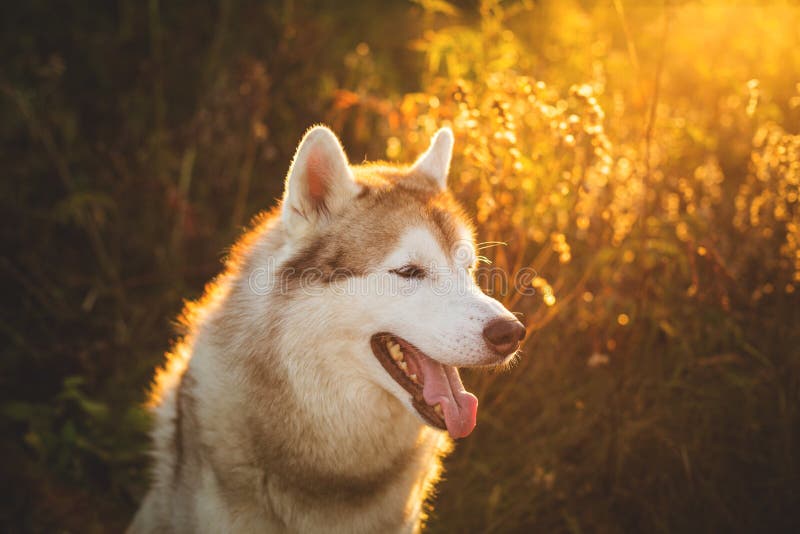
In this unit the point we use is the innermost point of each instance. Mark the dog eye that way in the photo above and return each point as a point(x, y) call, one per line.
point(410, 271)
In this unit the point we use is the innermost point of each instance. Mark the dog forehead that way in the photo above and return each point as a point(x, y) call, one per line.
point(390, 215)
point(371, 231)
point(417, 244)
point(425, 227)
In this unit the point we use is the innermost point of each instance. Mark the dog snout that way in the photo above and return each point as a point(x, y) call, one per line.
point(504, 335)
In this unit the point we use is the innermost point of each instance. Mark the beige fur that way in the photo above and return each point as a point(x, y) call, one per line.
point(272, 414)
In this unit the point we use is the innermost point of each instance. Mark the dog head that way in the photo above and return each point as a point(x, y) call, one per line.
point(382, 256)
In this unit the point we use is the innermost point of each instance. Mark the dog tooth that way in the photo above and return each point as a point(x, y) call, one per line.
point(438, 410)
point(395, 352)
point(413, 378)
point(403, 365)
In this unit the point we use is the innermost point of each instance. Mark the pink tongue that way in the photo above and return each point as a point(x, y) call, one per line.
point(442, 385)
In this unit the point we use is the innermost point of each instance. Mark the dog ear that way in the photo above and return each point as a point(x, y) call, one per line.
point(435, 162)
point(319, 181)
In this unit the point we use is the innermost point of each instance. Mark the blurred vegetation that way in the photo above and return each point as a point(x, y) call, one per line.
point(644, 159)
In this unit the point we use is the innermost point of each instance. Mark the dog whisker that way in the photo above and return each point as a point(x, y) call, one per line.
point(490, 244)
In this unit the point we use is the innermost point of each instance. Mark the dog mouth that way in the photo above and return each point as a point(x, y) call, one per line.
point(436, 389)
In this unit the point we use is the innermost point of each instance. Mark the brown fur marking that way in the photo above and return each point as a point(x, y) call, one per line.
point(395, 201)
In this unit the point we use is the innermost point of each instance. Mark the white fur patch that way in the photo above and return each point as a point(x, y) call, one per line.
point(435, 162)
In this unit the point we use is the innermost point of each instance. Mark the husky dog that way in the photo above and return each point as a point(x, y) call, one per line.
point(316, 389)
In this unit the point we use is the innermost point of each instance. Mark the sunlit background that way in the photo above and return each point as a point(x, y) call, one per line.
point(642, 157)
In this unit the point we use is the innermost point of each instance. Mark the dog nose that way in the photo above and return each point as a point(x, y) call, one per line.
point(503, 335)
